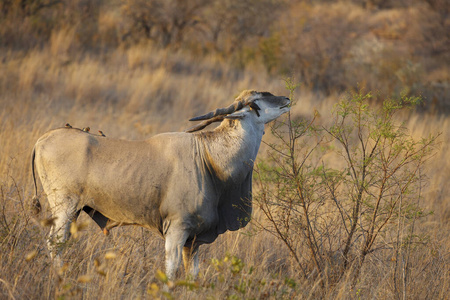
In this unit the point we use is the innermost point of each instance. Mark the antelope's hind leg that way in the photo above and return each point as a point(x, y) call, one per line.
point(64, 210)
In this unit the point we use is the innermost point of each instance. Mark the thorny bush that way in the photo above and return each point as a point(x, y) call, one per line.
point(331, 193)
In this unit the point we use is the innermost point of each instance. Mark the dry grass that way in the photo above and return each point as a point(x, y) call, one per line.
point(134, 94)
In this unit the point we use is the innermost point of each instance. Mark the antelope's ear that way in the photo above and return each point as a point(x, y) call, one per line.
point(236, 115)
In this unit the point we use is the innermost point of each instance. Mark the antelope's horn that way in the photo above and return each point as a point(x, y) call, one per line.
point(206, 123)
point(237, 105)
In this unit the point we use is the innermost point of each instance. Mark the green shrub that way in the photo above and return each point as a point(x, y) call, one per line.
point(332, 193)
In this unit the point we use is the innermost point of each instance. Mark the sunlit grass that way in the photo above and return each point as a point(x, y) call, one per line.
point(135, 94)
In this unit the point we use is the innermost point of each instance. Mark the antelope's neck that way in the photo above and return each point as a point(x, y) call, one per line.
point(231, 149)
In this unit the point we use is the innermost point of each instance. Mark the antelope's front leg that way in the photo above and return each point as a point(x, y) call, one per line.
point(190, 260)
point(175, 241)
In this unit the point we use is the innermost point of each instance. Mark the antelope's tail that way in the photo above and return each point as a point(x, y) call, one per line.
point(35, 205)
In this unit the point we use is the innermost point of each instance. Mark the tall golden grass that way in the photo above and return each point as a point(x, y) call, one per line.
point(135, 93)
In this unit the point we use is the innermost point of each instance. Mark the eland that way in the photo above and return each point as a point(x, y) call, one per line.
point(189, 187)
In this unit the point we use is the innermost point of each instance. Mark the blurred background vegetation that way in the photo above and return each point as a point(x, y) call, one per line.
point(393, 46)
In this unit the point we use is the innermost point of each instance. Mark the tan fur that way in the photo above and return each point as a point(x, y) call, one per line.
point(188, 187)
